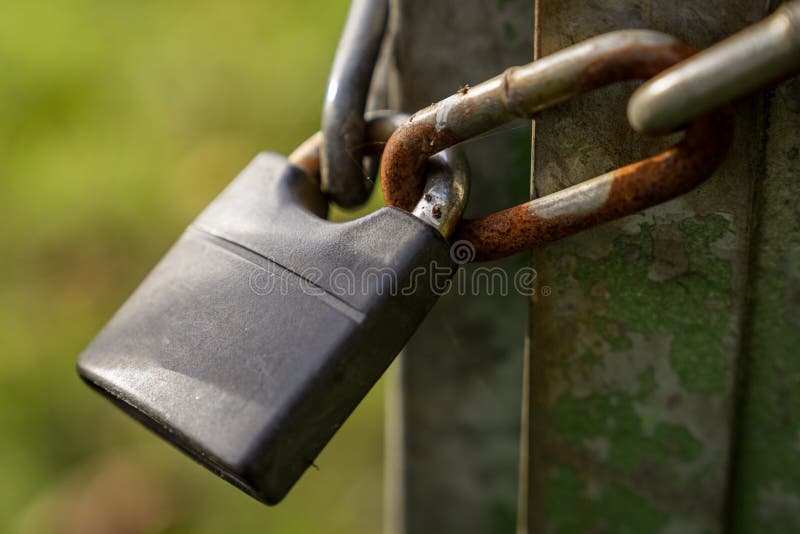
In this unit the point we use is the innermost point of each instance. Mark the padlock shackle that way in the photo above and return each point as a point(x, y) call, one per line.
point(343, 123)
point(521, 92)
point(446, 189)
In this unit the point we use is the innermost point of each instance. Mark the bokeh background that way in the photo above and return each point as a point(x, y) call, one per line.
point(119, 121)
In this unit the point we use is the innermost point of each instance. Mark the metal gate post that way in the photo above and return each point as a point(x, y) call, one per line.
point(635, 353)
point(765, 492)
point(453, 416)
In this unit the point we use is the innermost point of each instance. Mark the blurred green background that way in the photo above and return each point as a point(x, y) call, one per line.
point(119, 121)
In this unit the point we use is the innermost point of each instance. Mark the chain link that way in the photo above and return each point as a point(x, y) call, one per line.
point(755, 58)
point(521, 92)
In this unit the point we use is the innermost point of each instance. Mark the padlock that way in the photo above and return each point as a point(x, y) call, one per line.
point(265, 324)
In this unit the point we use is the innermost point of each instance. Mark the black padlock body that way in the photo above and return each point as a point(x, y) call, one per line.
point(252, 378)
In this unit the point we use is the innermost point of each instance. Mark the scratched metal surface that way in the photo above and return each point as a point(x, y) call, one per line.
point(634, 353)
point(453, 417)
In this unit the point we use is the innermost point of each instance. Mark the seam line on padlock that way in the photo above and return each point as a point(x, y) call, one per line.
point(266, 263)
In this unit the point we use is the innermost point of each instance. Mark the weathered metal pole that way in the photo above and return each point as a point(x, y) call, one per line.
point(453, 417)
point(661, 379)
point(638, 352)
point(765, 479)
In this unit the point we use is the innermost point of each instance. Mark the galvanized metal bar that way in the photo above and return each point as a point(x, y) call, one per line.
point(637, 325)
point(453, 413)
point(344, 133)
point(754, 58)
point(766, 475)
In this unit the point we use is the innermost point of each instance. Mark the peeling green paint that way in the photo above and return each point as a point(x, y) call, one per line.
point(634, 355)
point(665, 328)
point(622, 511)
point(632, 438)
point(635, 396)
point(697, 304)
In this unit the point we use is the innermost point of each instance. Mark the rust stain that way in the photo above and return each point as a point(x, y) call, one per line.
point(307, 156)
point(633, 62)
point(637, 186)
point(404, 161)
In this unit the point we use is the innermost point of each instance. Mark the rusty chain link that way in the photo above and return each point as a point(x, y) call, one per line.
point(447, 175)
point(521, 92)
point(686, 90)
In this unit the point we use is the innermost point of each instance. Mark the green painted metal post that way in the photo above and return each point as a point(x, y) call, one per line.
point(635, 353)
point(661, 384)
point(453, 417)
point(765, 493)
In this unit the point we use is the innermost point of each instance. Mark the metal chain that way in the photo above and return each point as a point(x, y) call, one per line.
point(690, 93)
point(521, 92)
